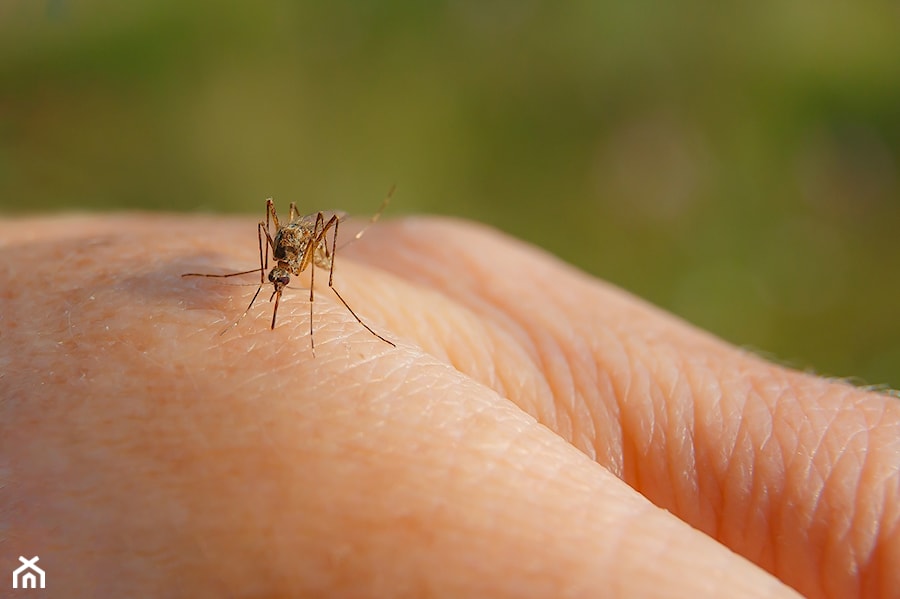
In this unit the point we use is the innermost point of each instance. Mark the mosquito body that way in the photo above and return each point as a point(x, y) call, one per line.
point(299, 244)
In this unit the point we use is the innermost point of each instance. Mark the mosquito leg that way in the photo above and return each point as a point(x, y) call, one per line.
point(271, 243)
point(263, 264)
point(231, 274)
point(336, 222)
point(312, 283)
point(359, 320)
point(294, 213)
point(241, 317)
point(333, 250)
point(270, 212)
point(311, 248)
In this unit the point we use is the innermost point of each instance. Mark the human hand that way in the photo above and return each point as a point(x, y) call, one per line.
point(505, 447)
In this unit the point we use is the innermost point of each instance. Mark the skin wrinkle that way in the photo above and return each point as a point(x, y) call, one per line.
point(583, 375)
point(785, 440)
point(738, 473)
point(683, 460)
point(841, 527)
point(585, 436)
point(659, 499)
point(441, 321)
point(632, 453)
point(520, 385)
point(884, 556)
point(765, 469)
point(480, 358)
point(745, 470)
point(667, 488)
point(500, 370)
point(596, 437)
point(821, 454)
point(569, 378)
point(538, 359)
point(663, 487)
point(754, 518)
point(650, 480)
point(821, 457)
point(612, 444)
point(428, 269)
point(558, 414)
point(889, 554)
point(708, 484)
point(858, 525)
point(801, 550)
point(688, 471)
point(886, 503)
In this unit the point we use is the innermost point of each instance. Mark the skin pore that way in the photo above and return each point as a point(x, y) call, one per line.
point(535, 433)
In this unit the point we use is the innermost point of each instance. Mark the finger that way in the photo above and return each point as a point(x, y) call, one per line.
point(147, 459)
point(795, 472)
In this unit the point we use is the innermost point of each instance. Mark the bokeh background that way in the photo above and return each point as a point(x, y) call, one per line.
point(735, 163)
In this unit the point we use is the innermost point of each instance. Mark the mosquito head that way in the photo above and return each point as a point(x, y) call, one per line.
point(279, 277)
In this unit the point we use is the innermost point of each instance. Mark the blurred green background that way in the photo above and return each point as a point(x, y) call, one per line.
point(736, 163)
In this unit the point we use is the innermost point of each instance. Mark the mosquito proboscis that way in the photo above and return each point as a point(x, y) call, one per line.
point(296, 245)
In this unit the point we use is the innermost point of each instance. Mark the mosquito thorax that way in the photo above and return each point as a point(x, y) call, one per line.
point(290, 243)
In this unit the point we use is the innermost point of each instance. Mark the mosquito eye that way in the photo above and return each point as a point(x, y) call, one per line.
point(281, 280)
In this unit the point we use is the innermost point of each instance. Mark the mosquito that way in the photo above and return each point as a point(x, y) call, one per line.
point(296, 245)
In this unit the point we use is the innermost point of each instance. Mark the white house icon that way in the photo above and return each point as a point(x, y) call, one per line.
point(28, 574)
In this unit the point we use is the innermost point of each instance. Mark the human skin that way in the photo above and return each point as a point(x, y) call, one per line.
point(534, 433)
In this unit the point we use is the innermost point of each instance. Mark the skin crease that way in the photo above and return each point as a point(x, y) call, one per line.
point(513, 444)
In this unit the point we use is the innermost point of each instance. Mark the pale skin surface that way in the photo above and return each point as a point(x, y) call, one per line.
point(506, 448)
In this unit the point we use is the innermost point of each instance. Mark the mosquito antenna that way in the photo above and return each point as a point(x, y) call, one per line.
point(374, 219)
